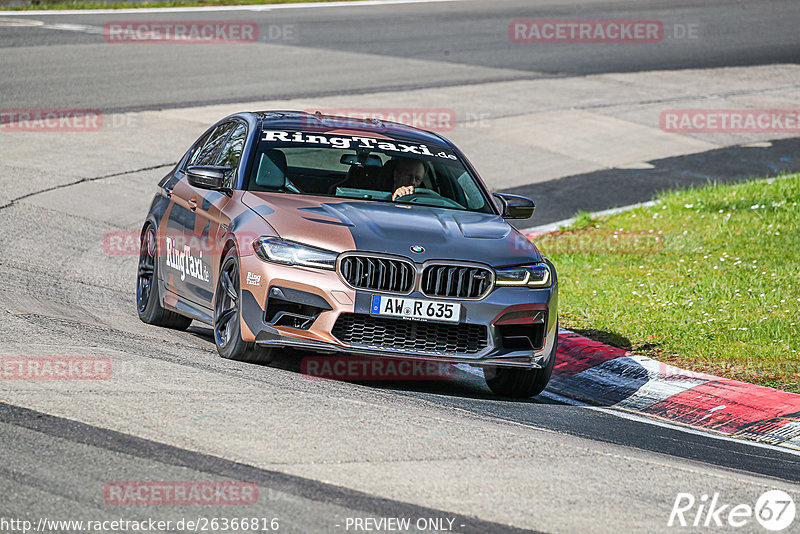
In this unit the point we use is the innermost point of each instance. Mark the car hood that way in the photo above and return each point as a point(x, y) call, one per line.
point(393, 228)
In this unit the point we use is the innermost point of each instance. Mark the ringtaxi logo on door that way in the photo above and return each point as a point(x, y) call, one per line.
point(774, 510)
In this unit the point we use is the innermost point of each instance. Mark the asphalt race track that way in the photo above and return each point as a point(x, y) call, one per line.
point(324, 453)
point(374, 50)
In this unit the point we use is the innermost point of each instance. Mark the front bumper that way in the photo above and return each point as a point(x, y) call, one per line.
point(322, 296)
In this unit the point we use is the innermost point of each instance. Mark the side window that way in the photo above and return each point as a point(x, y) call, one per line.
point(195, 150)
point(471, 192)
point(232, 152)
point(208, 154)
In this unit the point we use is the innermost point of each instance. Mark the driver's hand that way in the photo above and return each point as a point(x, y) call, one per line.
point(403, 191)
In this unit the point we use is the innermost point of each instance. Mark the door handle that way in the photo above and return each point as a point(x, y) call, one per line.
point(193, 204)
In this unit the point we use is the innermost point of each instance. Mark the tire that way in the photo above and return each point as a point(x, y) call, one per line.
point(227, 316)
point(520, 383)
point(148, 301)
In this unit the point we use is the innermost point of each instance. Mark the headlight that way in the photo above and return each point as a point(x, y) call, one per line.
point(536, 275)
point(289, 253)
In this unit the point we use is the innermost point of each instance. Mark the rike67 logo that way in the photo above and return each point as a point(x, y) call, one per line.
point(774, 510)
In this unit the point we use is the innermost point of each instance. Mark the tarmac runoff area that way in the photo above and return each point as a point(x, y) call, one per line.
point(518, 134)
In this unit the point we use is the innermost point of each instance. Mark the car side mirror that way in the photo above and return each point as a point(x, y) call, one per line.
point(207, 177)
point(515, 207)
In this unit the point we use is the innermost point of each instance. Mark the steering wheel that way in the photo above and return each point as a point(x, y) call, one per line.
point(421, 193)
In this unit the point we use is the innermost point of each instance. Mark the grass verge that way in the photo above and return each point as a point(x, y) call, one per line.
point(708, 280)
point(55, 4)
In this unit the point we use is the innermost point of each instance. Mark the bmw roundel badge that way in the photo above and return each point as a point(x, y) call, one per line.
point(417, 249)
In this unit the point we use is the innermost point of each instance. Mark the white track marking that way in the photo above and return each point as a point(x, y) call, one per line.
point(558, 225)
point(21, 23)
point(200, 9)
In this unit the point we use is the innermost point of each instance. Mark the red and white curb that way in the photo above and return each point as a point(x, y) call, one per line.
point(591, 373)
point(598, 374)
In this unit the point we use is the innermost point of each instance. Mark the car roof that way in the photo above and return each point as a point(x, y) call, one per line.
point(317, 122)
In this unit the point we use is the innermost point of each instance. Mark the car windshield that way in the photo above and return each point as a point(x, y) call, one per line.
point(366, 168)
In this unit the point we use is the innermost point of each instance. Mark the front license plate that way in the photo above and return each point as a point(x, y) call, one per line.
point(423, 310)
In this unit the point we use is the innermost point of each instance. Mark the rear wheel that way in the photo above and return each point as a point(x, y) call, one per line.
point(520, 383)
point(227, 317)
point(148, 302)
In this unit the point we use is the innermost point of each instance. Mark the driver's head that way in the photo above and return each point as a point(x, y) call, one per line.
point(408, 172)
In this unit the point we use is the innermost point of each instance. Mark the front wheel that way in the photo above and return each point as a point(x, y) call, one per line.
point(520, 383)
point(227, 317)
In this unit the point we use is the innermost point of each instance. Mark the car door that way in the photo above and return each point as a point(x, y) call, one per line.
point(209, 217)
point(171, 268)
point(187, 252)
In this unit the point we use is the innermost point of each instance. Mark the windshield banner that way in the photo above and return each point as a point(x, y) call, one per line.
point(357, 143)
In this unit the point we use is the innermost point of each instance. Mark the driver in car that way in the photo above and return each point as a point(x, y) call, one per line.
point(407, 176)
